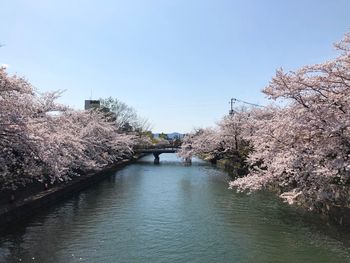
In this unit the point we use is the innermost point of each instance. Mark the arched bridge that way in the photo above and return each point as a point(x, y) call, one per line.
point(156, 150)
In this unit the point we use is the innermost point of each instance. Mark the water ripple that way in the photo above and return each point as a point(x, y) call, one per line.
point(172, 213)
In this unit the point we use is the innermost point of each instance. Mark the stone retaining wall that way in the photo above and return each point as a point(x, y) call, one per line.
point(23, 208)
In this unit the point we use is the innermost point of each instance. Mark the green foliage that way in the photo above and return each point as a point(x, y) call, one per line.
point(163, 136)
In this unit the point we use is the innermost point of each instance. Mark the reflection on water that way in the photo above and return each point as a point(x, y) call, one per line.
point(172, 213)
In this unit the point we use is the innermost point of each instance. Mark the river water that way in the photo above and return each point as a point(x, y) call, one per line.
point(172, 213)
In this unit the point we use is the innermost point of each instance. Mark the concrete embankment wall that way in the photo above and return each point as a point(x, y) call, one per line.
point(21, 209)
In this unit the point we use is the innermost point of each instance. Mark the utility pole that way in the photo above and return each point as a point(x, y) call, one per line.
point(231, 112)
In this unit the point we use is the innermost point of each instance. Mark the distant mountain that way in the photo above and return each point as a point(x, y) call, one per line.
point(175, 135)
point(171, 136)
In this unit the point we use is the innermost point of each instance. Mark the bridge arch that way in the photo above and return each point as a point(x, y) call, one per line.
point(156, 151)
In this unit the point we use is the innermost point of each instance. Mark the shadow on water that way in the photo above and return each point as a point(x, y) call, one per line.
point(171, 212)
point(172, 161)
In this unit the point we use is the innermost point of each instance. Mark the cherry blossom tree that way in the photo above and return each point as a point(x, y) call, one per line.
point(203, 142)
point(43, 141)
point(305, 146)
point(222, 142)
point(301, 148)
point(19, 155)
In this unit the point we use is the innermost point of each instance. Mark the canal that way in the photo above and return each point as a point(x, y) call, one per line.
point(172, 213)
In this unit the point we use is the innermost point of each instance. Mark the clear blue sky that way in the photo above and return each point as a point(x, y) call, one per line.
point(178, 62)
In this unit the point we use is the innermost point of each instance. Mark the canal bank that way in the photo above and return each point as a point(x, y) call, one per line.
point(22, 208)
point(332, 212)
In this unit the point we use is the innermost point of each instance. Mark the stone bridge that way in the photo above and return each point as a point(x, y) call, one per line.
point(157, 150)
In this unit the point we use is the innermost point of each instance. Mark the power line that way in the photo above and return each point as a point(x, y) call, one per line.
point(233, 100)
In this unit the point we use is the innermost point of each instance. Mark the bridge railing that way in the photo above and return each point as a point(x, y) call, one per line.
point(156, 147)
